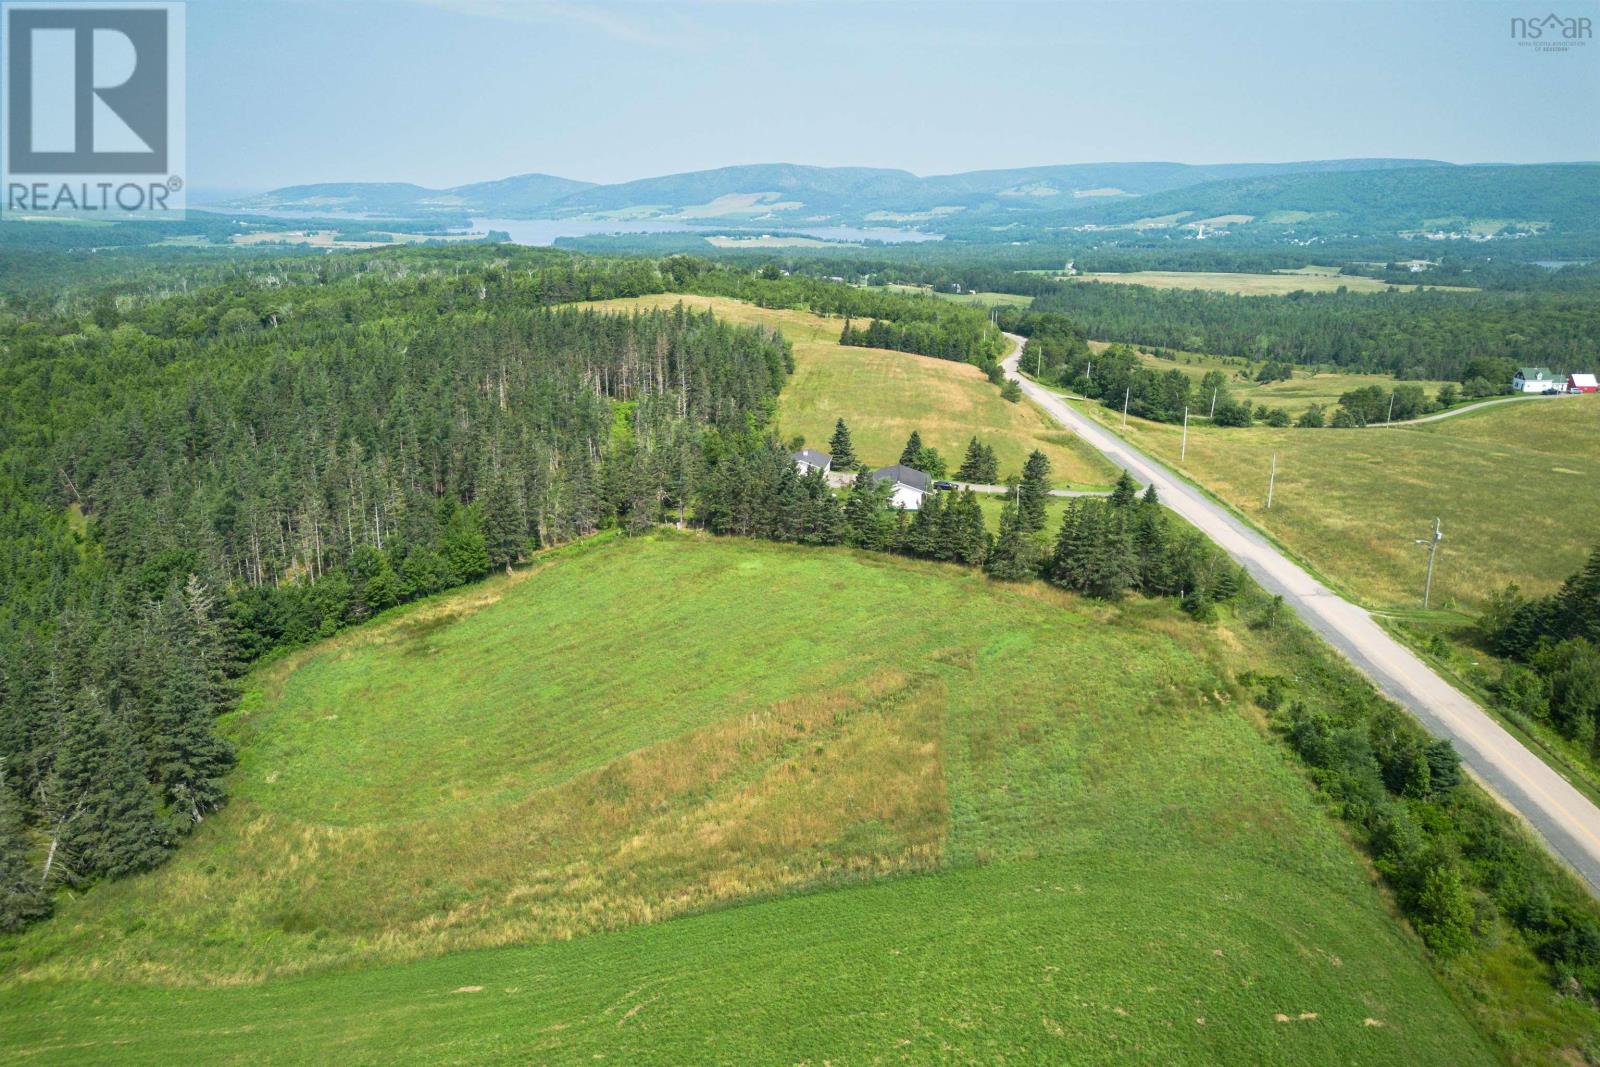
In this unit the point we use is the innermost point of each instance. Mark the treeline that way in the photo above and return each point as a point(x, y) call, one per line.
point(1412, 335)
point(906, 322)
point(1057, 354)
point(1554, 643)
point(964, 339)
point(212, 476)
point(1456, 868)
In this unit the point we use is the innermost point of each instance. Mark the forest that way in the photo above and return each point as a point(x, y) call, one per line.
point(1412, 335)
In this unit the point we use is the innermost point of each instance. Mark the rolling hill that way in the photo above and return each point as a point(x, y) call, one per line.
point(1469, 200)
point(674, 799)
point(795, 192)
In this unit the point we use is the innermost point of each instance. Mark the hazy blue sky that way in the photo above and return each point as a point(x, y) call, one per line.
point(447, 91)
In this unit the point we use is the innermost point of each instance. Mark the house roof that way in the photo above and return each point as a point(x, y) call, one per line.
point(1582, 379)
point(906, 476)
point(813, 457)
point(1535, 374)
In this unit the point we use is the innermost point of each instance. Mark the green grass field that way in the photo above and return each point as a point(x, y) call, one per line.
point(883, 396)
point(1514, 485)
point(1274, 284)
point(1307, 387)
point(554, 817)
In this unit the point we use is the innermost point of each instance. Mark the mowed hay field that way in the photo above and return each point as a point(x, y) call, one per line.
point(1516, 486)
point(1274, 284)
point(1295, 395)
point(1032, 829)
point(884, 395)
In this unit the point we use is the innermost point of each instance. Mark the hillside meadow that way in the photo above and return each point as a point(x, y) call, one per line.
point(1306, 387)
point(1516, 487)
point(1277, 283)
point(674, 799)
point(883, 396)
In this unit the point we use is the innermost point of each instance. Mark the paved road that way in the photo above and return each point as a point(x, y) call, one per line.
point(1567, 821)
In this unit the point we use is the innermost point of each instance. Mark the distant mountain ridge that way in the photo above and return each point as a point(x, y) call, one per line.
point(1322, 200)
point(771, 191)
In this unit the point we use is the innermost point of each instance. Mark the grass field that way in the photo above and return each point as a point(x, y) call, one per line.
point(1295, 395)
point(1514, 485)
point(1274, 284)
point(883, 396)
point(1101, 856)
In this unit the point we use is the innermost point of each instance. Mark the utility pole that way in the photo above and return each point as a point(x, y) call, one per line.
point(1272, 480)
point(1433, 551)
point(1184, 450)
point(1390, 419)
point(1089, 374)
point(1213, 405)
point(1128, 393)
point(1038, 369)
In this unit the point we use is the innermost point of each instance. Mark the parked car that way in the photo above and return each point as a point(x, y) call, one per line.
point(944, 485)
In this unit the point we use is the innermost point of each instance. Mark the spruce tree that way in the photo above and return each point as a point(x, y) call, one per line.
point(465, 551)
point(1033, 493)
point(840, 448)
point(911, 455)
point(1125, 492)
point(989, 472)
point(1011, 559)
point(866, 517)
point(505, 533)
point(22, 898)
point(971, 469)
point(110, 824)
point(1578, 602)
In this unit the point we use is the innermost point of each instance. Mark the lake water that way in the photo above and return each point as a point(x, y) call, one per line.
point(546, 231)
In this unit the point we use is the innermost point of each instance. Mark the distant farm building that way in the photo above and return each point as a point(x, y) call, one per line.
point(1536, 380)
point(809, 459)
point(1582, 383)
point(910, 486)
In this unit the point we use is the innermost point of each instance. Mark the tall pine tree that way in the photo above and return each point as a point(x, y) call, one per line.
point(840, 448)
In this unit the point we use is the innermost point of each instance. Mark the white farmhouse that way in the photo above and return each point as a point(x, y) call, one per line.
point(1536, 380)
point(809, 459)
point(909, 486)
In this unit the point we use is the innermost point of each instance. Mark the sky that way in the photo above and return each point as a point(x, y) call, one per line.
point(441, 92)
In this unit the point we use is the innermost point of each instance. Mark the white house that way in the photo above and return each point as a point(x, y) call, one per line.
point(909, 486)
point(809, 459)
point(1536, 380)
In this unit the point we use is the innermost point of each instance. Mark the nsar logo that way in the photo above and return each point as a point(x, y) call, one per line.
point(1552, 33)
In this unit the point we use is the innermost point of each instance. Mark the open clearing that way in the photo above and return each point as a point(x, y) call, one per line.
point(1305, 388)
point(884, 395)
point(1275, 284)
point(1102, 856)
point(1514, 485)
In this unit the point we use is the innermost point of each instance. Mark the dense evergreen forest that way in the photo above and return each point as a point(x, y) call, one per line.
point(1427, 334)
